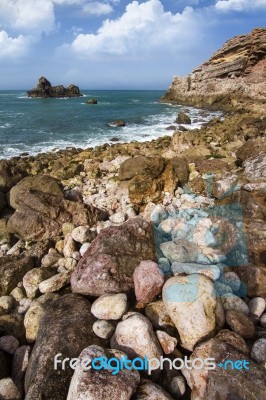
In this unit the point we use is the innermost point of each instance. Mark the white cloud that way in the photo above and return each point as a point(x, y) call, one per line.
point(97, 8)
point(144, 29)
point(27, 16)
point(240, 5)
point(12, 47)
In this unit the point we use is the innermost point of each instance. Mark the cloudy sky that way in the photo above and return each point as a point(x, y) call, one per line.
point(115, 44)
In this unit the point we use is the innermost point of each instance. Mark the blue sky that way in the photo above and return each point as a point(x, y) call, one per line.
point(115, 44)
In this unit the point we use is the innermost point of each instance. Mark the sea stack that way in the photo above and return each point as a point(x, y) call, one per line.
point(45, 89)
point(233, 75)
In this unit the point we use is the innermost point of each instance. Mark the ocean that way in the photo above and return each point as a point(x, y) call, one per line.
point(38, 125)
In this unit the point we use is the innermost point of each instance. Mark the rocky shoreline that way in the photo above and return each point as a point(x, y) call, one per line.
point(152, 249)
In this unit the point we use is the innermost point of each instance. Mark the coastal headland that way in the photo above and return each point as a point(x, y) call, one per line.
point(143, 250)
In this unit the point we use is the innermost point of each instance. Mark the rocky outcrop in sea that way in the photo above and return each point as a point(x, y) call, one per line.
point(137, 250)
point(45, 89)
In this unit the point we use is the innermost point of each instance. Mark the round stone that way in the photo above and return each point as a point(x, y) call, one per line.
point(258, 351)
point(103, 329)
point(240, 324)
point(232, 302)
point(263, 320)
point(9, 344)
point(110, 306)
point(257, 306)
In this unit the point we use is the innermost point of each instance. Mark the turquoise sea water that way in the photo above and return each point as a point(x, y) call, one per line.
point(39, 125)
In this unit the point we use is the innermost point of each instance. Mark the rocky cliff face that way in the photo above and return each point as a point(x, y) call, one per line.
point(234, 73)
point(45, 89)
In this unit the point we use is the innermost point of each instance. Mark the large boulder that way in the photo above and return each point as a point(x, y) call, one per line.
point(150, 177)
point(109, 263)
point(10, 175)
point(251, 148)
point(141, 165)
point(65, 328)
point(191, 304)
point(183, 118)
point(43, 183)
point(12, 270)
point(134, 335)
point(102, 384)
point(225, 382)
point(45, 214)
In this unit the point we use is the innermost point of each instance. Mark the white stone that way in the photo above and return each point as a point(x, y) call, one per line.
point(110, 306)
point(54, 283)
point(191, 303)
point(118, 218)
point(135, 336)
point(103, 329)
point(69, 246)
point(6, 302)
point(257, 306)
point(8, 390)
point(84, 248)
point(80, 234)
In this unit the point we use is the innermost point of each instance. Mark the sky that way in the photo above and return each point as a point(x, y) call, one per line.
point(115, 44)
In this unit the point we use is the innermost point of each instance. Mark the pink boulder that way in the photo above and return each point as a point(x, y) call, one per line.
point(148, 281)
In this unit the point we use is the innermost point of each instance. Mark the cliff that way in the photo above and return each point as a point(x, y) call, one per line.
point(235, 73)
point(45, 89)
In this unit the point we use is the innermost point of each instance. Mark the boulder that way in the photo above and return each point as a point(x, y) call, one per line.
point(12, 324)
point(234, 340)
point(148, 281)
point(33, 278)
point(183, 118)
point(160, 319)
point(150, 184)
point(250, 149)
point(240, 324)
point(258, 351)
point(141, 165)
point(118, 122)
point(180, 250)
point(92, 101)
point(46, 213)
point(110, 306)
point(10, 175)
point(8, 390)
point(103, 329)
point(225, 381)
point(135, 336)
point(12, 270)
point(20, 365)
point(35, 313)
point(43, 183)
point(191, 303)
point(66, 328)
point(102, 384)
point(9, 344)
point(257, 306)
point(110, 261)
